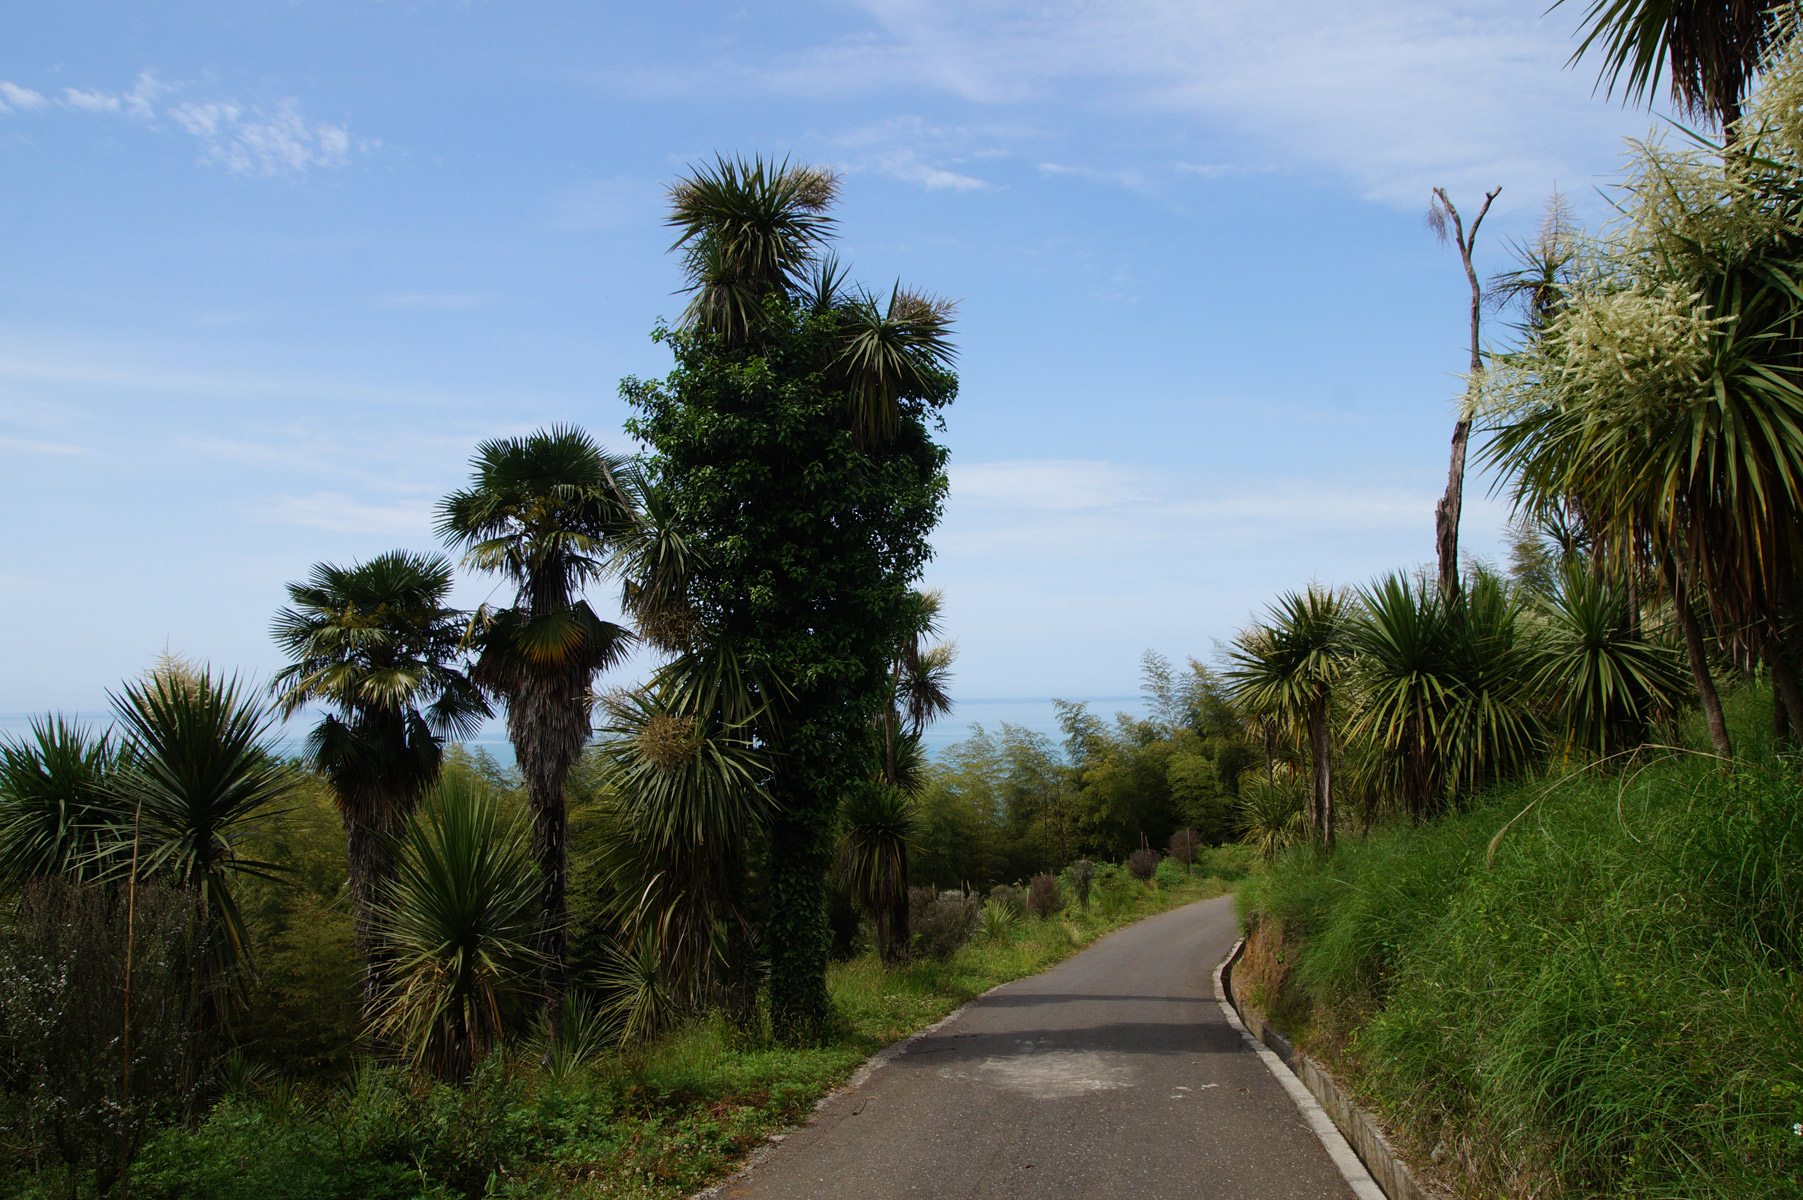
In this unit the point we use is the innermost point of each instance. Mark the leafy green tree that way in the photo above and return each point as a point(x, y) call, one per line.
point(376, 644)
point(1664, 403)
point(791, 447)
point(546, 512)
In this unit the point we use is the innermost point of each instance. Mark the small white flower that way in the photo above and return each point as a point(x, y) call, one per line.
point(1797, 1129)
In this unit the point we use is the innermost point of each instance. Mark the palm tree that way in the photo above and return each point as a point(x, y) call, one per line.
point(919, 691)
point(1607, 683)
point(1712, 50)
point(1440, 688)
point(377, 644)
point(682, 759)
point(57, 802)
point(748, 231)
point(547, 512)
point(872, 862)
point(754, 231)
point(1288, 668)
point(458, 920)
point(201, 774)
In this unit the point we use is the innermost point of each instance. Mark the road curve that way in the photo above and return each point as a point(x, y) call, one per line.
point(1112, 1076)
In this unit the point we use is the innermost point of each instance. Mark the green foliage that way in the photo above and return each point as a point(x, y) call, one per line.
point(1611, 683)
point(201, 773)
point(810, 542)
point(457, 922)
point(57, 803)
point(1441, 688)
point(997, 920)
point(1169, 872)
point(1584, 984)
point(872, 861)
point(300, 1016)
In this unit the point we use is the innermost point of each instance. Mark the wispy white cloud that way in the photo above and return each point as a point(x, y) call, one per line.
point(246, 139)
point(913, 151)
point(12, 96)
point(1131, 180)
point(32, 446)
point(1395, 95)
point(339, 513)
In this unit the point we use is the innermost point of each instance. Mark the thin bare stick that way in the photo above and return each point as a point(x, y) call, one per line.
point(1446, 513)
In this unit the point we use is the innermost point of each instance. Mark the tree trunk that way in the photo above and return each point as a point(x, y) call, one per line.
point(1321, 751)
point(1780, 722)
point(796, 933)
point(548, 723)
point(1697, 652)
point(371, 863)
point(1446, 513)
point(1784, 680)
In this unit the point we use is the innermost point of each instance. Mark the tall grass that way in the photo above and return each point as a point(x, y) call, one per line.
point(1602, 1000)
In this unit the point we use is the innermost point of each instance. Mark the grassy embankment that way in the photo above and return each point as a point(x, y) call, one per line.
point(1603, 1001)
point(658, 1122)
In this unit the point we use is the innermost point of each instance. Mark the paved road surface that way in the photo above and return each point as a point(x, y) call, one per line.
point(1113, 1076)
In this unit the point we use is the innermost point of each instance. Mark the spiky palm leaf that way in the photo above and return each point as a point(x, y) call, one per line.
point(1711, 48)
point(877, 825)
point(458, 920)
point(748, 230)
point(889, 351)
point(1440, 687)
point(203, 773)
point(57, 802)
point(1608, 683)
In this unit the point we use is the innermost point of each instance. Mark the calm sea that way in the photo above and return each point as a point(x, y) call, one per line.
point(1036, 715)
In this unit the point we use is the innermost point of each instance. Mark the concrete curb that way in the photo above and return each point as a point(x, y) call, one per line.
point(1380, 1174)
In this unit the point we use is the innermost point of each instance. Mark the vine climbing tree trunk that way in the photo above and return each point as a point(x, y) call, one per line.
point(1446, 513)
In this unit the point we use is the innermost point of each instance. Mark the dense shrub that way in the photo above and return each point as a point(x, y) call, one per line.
point(62, 1010)
point(1010, 898)
point(1168, 873)
point(1044, 897)
point(939, 926)
point(1143, 862)
point(1077, 879)
point(1185, 845)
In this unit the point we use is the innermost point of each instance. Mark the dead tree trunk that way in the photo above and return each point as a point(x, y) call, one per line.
point(1446, 513)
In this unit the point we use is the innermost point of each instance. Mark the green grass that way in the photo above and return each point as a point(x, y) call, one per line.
point(1608, 1007)
point(659, 1122)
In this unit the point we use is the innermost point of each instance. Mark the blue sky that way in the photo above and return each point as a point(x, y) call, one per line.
point(272, 269)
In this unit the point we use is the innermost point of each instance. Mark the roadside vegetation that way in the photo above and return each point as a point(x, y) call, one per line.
point(1534, 841)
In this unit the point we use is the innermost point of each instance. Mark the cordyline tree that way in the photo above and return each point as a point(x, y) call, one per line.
point(1664, 401)
point(791, 455)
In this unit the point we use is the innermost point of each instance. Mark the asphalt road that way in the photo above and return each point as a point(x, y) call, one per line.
point(1113, 1076)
